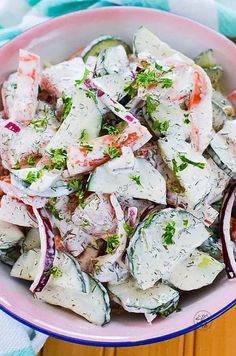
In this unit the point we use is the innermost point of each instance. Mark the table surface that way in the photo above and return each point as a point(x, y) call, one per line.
point(216, 339)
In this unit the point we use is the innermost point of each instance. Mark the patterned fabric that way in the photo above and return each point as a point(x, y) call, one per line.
point(19, 15)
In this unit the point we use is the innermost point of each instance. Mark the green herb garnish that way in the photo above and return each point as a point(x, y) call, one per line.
point(112, 152)
point(86, 146)
point(33, 176)
point(67, 102)
point(80, 196)
point(111, 130)
point(39, 125)
point(85, 76)
point(186, 119)
point(148, 221)
point(136, 179)
point(151, 104)
point(184, 159)
point(147, 77)
point(169, 234)
point(84, 136)
point(17, 165)
point(161, 126)
point(58, 157)
point(131, 89)
point(90, 94)
point(85, 223)
point(166, 82)
point(112, 243)
point(55, 272)
point(51, 207)
point(31, 161)
point(185, 223)
point(75, 184)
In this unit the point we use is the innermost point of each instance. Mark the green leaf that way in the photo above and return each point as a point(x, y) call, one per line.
point(169, 234)
point(128, 229)
point(58, 157)
point(111, 130)
point(85, 145)
point(50, 206)
point(84, 136)
point(55, 272)
point(39, 125)
point(80, 196)
point(161, 126)
point(112, 243)
point(151, 104)
point(136, 179)
point(75, 184)
point(67, 102)
point(85, 223)
point(112, 152)
point(33, 176)
point(30, 160)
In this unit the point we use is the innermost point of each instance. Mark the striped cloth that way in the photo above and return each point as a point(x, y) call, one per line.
point(18, 15)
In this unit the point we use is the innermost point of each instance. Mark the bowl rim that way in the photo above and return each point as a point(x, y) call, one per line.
point(27, 34)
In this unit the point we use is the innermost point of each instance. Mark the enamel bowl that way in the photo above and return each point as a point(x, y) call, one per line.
point(54, 40)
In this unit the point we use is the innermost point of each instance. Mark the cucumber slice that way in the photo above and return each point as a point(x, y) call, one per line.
point(215, 74)
point(156, 300)
point(10, 255)
point(197, 271)
point(161, 242)
point(84, 115)
point(74, 290)
point(194, 180)
point(206, 59)
point(31, 241)
point(112, 60)
point(101, 43)
point(141, 181)
point(10, 235)
point(222, 109)
point(145, 41)
point(223, 145)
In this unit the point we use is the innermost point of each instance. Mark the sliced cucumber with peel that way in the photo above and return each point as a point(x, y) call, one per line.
point(101, 43)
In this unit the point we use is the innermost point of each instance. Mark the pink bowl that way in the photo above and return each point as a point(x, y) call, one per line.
point(54, 40)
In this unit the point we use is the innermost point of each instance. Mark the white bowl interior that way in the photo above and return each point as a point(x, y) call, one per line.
point(54, 41)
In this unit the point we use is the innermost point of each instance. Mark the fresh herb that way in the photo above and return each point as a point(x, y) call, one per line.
point(151, 104)
point(85, 223)
point(55, 272)
point(147, 77)
point(185, 223)
point(86, 146)
point(33, 176)
point(46, 167)
point(58, 157)
point(90, 94)
point(112, 243)
point(206, 261)
point(53, 210)
point(161, 126)
point(128, 229)
point(31, 161)
point(39, 125)
point(166, 82)
point(185, 163)
point(136, 179)
point(85, 76)
point(112, 152)
point(186, 119)
point(111, 130)
point(75, 184)
point(163, 71)
point(80, 196)
point(184, 159)
point(17, 165)
point(84, 136)
point(169, 234)
point(116, 109)
point(67, 102)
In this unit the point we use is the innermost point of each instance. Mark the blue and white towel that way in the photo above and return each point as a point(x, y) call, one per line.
point(19, 15)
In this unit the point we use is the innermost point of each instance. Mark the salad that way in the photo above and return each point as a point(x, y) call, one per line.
point(117, 177)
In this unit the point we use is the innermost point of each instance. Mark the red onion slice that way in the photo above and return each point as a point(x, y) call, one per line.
point(48, 250)
point(225, 217)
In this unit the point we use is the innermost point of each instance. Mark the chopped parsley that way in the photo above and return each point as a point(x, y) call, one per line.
point(39, 125)
point(85, 223)
point(186, 119)
point(163, 71)
point(128, 229)
point(131, 89)
point(33, 176)
point(75, 184)
point(149, 219)
point(84, 135)
point(111, 130)
point(161, 126)
point(85, 76)
point(147, 77)
point(185, 163)
point(58, 157)
point(151, 104)
point(31, 161)
point(136, 179)
point(86, 146)
point(112, 152)
point(17, 165)
point(51, 207)
point(112, 243)
point(80, 196)
point(67, 102)
point(169, 234)
point(185, 223)
point(55, 272)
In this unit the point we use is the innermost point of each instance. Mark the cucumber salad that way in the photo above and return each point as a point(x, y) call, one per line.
point(117, 177)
